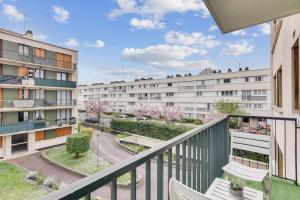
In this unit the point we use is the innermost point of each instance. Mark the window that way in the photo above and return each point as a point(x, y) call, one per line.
point(227, 80)
point(169, 84)
point(39, 73)
point(23, 49)
point(61, 76)
point(258, 78)
point(246, 79)
point(170, 94)
point(40, 53)
point(131, 103)
point(295, 63)
point(131, 95)
point(199, 93)
point(169, 104)
point(278, 87)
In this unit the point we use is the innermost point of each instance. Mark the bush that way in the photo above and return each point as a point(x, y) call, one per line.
point(88, 131)
point(32, 175)
point(192, 121)
point(77, 144)
point(50, 183)
point(130, 115)
point(150, 129)
point(79, 127)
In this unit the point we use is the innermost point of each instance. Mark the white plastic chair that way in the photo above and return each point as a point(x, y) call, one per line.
point(179, 191)
point(252, 143)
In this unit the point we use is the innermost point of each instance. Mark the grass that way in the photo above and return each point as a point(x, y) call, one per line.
point(134, 147)
point(86, 164)
point(122, 135)
point(14, 187)
point(281, 189)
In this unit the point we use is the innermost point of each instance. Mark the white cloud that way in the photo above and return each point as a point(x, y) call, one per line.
point(254, 34)
point(265, 28)
point(12, 13)
point(61, 15)
point(204, 11)
point(99, 44)
point(40, 37)
point(147, 24)
point(71, 42)
point(155, 8)
point(166, 56)
point(193, 39)
point(212, 28)
point(237, 48)
point(239, 32)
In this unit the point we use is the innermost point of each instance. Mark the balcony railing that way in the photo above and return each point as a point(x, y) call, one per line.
point(195, 157)
point(55, 83)
point(37, 124)
point(35, 103)
point(30, 58)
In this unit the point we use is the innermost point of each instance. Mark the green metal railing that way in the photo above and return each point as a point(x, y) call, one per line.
point(199, 154)
point(33, 125)
point(21, 126)
point(54, 83)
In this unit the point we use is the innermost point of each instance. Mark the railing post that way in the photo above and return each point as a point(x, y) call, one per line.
point(170, 167)
point(183, 145)
point(160, 178)
point(177, 162)
point(148, 180)
point(199, 161)
point(133, 184)
point(113, 190)
point(189, 163)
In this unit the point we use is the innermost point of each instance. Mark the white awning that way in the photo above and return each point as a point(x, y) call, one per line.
point(232, 15)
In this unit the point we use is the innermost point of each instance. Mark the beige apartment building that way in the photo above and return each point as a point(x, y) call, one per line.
point(37, 94)
point(286, 102)
point(196, 96)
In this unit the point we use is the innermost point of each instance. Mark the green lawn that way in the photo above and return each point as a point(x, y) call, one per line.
point(13, 186)
point(281, 189)
point(87, 164)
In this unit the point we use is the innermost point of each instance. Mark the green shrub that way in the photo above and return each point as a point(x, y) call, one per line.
point(88, 131)
point(192, 121)
point(79, 127)
point(77, 144)
point(198, 122)
point(130, 115)
point(150, 129)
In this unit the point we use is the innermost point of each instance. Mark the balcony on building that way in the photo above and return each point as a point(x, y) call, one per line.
point(37, 124)
point(195, 158)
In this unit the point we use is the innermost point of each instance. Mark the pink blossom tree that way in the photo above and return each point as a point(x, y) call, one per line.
point(172, 113)
point(154, 112)
point(141, 111)
point(96, 109)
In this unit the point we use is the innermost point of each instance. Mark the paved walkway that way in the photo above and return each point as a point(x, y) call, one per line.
point(141, 140)
point(110, 152)
point(34, 162)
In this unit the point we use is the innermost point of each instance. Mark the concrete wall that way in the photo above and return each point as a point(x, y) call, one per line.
point(286, 36)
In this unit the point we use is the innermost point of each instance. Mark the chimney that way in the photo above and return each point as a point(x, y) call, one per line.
point(29, 34)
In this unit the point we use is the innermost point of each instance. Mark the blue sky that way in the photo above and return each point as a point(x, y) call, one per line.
point(142, 38)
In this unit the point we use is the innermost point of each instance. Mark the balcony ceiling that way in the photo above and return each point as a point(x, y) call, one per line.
point(232, 15)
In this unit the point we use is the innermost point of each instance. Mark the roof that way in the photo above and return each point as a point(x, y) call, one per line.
point(23, 36)
point(232, 15)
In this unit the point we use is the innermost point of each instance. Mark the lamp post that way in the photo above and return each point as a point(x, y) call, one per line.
point(98, 149)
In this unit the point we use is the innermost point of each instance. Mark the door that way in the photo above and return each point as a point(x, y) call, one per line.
point(19, 143)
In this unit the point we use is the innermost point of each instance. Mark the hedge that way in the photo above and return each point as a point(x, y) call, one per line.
point(192, 121)
point(150, 129)
point(88, 131)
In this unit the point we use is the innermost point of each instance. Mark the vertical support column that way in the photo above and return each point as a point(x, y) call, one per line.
point(160, 177)
point(113, 190)
point(148, 180)
point(178, 162)
point(133, 185)
point(183, 162)
point(170, 167)
point(7, 146)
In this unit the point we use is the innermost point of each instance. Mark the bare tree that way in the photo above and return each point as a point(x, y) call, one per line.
point(172, 113)
point(141, 111)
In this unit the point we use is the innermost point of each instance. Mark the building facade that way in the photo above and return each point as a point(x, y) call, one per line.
point(37, 94)
point(285, 35)
point(195, 95)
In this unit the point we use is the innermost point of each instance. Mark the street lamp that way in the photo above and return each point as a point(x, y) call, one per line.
point(98, 134)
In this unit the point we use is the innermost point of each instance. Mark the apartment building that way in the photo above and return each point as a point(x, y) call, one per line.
point(285, 35)
point(195, 95)
point(37, 94)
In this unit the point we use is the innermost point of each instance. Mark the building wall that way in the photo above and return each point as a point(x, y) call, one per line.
point(195, 95)
point(27, 93)
point(285, 33)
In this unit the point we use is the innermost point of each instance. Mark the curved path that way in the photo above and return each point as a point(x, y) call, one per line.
point(107, 150)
